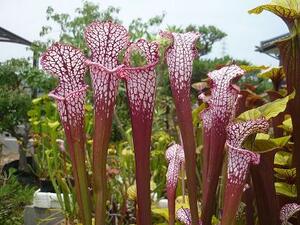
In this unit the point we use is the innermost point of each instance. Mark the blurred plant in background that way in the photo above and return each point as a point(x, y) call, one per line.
point(14, 196)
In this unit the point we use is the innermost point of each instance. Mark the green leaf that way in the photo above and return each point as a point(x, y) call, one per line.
point(283, 158)
point(272, 73)
point(32, 113)
point(250, 115)
point(215, 221)
point(285, 173)
point(161, 212)
point(196, 113)
point(287, 125)
point(281, 141)
point(53, 125)
point(288, 10)
point(37, 101)
point(268, 110)
point(264, 143)
point(286, 189)
point(132, 192)
point(250, 68)
point(272, 109)
point(88, 107)
point(182, 202)
point(35, 123)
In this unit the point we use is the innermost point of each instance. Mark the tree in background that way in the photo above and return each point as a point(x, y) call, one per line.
point(20, 82)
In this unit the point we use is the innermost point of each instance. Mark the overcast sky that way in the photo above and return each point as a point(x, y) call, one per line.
point(26, 17)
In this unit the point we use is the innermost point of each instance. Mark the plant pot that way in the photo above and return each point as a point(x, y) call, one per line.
point(45, 200)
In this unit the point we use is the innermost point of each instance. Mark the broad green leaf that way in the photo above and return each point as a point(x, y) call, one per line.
point(282, 92)
point(250, 115)
point(287, 125)
point(264, 143)
point(283, 158)
point(286, 189)
point(291, 4)
point(196, 113)
point(272, 73)
point(161, 212)
point(53, 125)
point(285, 173)
point(272, 109)
point(249, 68)
point(288, 10)
point(182, 202)
point(131, 192)
point(268, 110)
point(281, 141)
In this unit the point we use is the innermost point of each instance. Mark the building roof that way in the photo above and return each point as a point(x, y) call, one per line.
point(7, 36)
point(269, 46)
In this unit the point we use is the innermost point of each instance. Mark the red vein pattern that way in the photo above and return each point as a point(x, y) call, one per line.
point(141, 81)
point(221, 108)
point(223, 97)
point(179, 56)
point(239, 158)
point(184, 216)
point(175, 158)
point(239, 161)
point(287, 211)
point(141, 86)
point(106, 40)
point(68, 64)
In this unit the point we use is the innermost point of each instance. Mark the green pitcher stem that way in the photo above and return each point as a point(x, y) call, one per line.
point(100, 145)
point(100, 188)
point(81, 183)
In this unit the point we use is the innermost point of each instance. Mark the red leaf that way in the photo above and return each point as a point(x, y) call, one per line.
point(179, 57)
point(287, 211)
point(222, 105)
point(106, 40)
point(141, 85)
point(68, 64)
point(239, 160)
point(175, 158)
